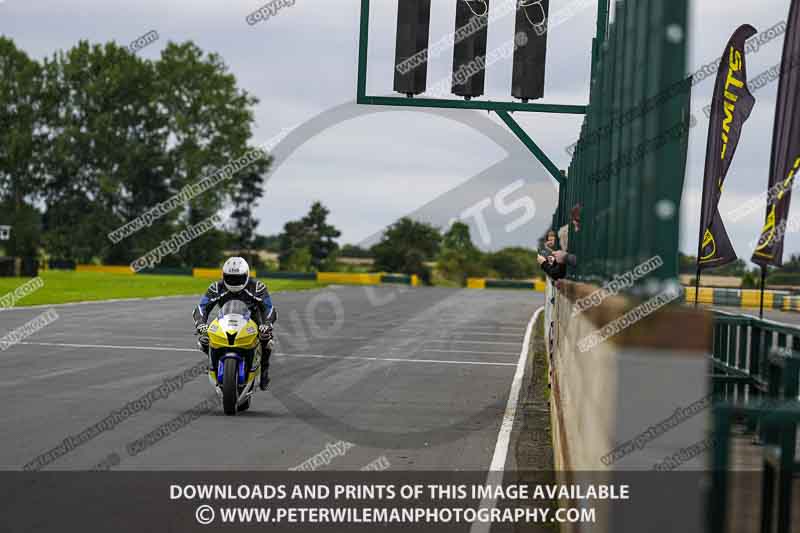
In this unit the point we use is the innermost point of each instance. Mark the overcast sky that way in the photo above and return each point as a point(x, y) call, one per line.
point(372, 169)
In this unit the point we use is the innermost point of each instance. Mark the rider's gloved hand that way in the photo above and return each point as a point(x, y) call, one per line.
point(265, 332)
point(202, 330)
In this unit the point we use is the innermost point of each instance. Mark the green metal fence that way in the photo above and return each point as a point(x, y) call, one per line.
point(755, 377)
point(740, 347)
point(628, 167)
point(739, 353)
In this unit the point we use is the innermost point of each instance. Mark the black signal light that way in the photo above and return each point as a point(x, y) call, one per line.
point(411, 51)
point(469, 52)
point(530, 53)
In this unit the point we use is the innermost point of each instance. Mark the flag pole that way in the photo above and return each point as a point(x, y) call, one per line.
point(763, 278)
point(697, 283)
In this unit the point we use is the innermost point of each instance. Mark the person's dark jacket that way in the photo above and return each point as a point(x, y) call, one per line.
point(554, 269)
point(254, 295)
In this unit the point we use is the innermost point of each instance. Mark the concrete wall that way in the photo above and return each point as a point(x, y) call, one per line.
point(609, 394)
point(643, 391)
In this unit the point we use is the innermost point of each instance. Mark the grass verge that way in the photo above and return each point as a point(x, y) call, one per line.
point(64, 286)
point(534, 445)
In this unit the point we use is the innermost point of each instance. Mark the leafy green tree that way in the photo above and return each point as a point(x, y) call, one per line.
point(22, 136)
point(26, 228)
point(687, 264)
point(514, 263)
point(249, 188)
point(405, 247)
point(210, 120)
point(323, 246)
point(124, 134)
point(270, 243)
point(106, 159)
point(351, 250)
point(734, 268)
point(299, 260)
point(750, 281)
point(792, 265)
point(313, 233)
point(459, 258)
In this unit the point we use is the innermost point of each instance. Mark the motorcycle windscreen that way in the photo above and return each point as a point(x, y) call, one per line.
point(235, 307)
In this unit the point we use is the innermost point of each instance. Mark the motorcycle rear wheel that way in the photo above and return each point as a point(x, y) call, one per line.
point(230, 386)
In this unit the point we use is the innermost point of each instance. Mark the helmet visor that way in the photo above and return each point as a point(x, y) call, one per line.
point(235, 280)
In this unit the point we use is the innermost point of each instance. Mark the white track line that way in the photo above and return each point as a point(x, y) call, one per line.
point(455, 341)
point(299, 356)
point(120, 300)
point(425, 350)
point(112, 346)
point(498, 466)
point(396, 359)
point(92, 302)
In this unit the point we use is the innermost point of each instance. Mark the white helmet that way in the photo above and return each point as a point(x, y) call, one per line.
point(235, 274)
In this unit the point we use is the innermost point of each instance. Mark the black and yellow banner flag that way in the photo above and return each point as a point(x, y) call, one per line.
point(730, 108)
point(785, 160)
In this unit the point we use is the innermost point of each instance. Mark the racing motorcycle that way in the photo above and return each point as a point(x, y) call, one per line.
point(235, 355)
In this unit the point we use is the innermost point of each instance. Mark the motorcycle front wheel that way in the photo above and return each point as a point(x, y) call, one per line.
point(230, 385)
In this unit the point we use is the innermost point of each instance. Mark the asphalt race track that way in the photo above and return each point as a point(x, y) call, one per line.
point(414, 378)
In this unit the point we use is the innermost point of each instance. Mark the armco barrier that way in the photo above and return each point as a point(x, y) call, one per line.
point(402, 279)
point(167, 271)
point(483, 283)
point(344, 278)
point(212, 273)
point(791, 303)
point(747, 298)
point(312, 276)
point(106, 269)
point(347, 278)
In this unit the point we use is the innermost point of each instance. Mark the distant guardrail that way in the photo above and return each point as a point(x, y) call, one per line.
point(747, 298)
point(486, 283)
point(344, 278)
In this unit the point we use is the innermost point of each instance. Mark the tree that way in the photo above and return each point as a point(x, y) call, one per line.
point(405, 247)
point(299, 260)
point(792, 265)
point(271, 243)
point(459, 258)
point(687, 264)
point(322, 244)
point(514, 263)
point(22, 136)
point(106, 156)
point(249, 188)
point(750, 281)
point(313, 233)
point(352, 250)
point(125, 134)
point(210, 119)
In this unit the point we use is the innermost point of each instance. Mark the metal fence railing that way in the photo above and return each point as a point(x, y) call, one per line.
point(755, 378)
point(628, 167)
point(740, 347)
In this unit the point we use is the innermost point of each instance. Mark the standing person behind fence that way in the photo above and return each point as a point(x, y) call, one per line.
point(550, 243)
point(555, 265)
point(547, 258)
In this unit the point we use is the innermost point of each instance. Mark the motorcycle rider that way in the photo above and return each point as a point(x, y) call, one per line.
point(237, 285)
